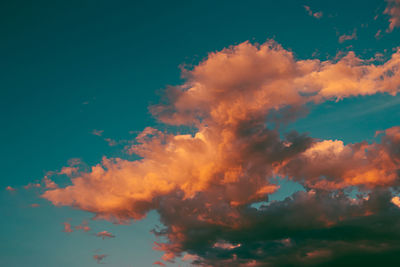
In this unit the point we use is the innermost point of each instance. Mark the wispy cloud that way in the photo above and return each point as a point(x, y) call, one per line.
point(317, 15)
point(10, 189)
point(393, 10)
point(67, 227)
point(99, 258)
point(105, 234)
point(346, 37)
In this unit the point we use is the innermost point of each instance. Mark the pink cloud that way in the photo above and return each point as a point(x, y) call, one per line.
point(11, 189)
point(105, 234)
point(345, 37)
point(49, 184)
point(32, 185)
point(83, 226)
point(67, 227)
point(98, 132)
point(99, 258)
point(317, 15)
point(159, 263)
point(393, 10)
point(225, 245)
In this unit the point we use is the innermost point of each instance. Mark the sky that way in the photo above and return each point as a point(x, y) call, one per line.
point(199, 133)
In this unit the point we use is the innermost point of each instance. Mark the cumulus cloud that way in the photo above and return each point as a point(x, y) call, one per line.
point(393, 10)
point(203, 184)
point(332, 165)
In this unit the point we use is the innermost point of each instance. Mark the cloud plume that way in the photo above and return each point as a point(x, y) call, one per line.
point(203, 184)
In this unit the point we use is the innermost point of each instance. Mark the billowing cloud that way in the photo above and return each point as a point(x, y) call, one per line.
point(105, 234)
point(393, 10)
point(332, 165)
point(203, 183)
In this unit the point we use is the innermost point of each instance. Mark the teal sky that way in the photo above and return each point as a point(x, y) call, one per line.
point(71, 67)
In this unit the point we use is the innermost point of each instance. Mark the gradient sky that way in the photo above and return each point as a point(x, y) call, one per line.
point(71, 69)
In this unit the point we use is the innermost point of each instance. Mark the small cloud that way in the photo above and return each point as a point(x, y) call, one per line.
point(111, 142)
point(97, 132)
point(105, 234)
point(345, 37)
point(68, 170)
point(396, 200)
point(159, 263)
point(393, 10)
point(317, 15)
point(226, 245)
point(49, 184)
point(190, 257)
point(83, 226)
point(11, 189)
point(35, 205)
point(32, 185)
point(99, 258)
point(378, 34)
point(67, 227)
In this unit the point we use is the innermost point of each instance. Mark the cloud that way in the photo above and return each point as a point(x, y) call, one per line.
point(99, 258)
point(97, 132)
point(393, 10)
point(203, 183)
point(105, 234)
point(32, 185)
point(48, 183)
point(317, 15)
point(11, 189)
point(159, 263)
point(67, 227)
point(332, 165)
point(83, 226)
point(345, 37)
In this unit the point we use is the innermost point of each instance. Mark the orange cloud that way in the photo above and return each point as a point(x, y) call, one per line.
point(332, 165)
point(393, 10)
point(208, 179)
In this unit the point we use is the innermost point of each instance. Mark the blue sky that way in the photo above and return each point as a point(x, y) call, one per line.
point(72, 67)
